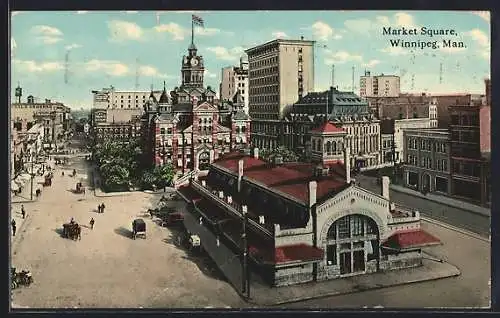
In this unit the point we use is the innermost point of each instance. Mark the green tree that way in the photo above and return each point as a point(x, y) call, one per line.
point(286, 154)
point(164, 175)
point(115, 177)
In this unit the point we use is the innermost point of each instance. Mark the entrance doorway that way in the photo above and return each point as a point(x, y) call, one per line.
point(204, 161)
point(426, 182)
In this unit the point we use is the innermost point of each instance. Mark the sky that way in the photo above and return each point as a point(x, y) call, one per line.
point(64, 55)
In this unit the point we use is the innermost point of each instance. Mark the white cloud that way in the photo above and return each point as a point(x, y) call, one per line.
point(35, 67)
point(395, 50)
point(81, 12)
point(210, 74)
point(371, 63)
point(367, 26)
point(341, 57)
point(279, 34)
point(404, 19)
point(480, 37)
point(147, 70)
point(113, 68)
point(485, 15)
point(46, 30)
point(13, 46)
point(222, 53)
point(72, 46)
point(206, 31)
point(123, 30)
point(322, 31)
point(358, 25)
point(174, 29)
point(47, 34)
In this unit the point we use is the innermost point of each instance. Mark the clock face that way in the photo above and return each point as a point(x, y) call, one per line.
point(194, 62)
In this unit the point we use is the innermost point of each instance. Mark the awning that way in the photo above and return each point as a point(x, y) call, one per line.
point(410, 240)
point(289, 254)
point(25, 177)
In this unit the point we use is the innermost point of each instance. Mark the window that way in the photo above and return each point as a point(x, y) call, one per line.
point(357, 226)
point(331, 255)
point(162, 131)
point(344, 230)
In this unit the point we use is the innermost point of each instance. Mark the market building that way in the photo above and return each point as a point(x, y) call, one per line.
point(293, 223)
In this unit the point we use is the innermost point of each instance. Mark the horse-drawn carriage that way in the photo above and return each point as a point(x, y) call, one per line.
point(138, 228)
point(48, 180)
point(79, 188)
point(72, 231)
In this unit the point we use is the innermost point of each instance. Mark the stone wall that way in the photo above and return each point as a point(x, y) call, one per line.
point(293, 275)
point(403, 260)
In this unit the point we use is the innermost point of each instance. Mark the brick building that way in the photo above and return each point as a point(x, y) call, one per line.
point(306, 221)
point(187, 129)
point(427, 164)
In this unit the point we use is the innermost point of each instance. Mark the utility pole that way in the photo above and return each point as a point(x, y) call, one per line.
point(32, 177)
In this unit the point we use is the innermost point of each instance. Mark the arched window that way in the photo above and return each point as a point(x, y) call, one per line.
point(328, 148)
point(334, 147)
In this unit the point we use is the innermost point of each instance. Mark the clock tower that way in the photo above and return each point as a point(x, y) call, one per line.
point(192, 69)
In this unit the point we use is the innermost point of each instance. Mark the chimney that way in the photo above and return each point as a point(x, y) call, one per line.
point(313, 185)
point(256, 153)
point(385, 187)
point(347, 164)
point(240, 173)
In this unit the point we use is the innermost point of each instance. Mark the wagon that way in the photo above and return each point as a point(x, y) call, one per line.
point(138, 228)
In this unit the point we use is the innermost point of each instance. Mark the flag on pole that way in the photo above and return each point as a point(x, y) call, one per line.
point(198, 21)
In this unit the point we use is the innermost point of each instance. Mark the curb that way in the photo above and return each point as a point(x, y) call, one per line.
point(456, 206)
point(296, 300)
point(18, 232)
point(456, 229)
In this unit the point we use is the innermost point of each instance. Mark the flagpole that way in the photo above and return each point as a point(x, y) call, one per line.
point(192, 30)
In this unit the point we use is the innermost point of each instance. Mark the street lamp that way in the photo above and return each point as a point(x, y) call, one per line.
point(245, 277)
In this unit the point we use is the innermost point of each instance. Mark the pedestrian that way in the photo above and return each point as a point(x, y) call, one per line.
point(102, 208)
point(83, 190)
point(13, 224)
point(62, 174)
point(99, 208)
point(23, 212)
point(92, 223)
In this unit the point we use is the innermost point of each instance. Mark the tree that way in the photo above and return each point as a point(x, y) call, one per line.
point(164, 175)
point(286, 154)
point(115, 177)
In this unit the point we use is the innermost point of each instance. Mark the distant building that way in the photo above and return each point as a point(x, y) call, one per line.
point(235, 79)
point(427, 165)
point(280, 72)
point(116, 123)
point(113, 98)
point(307, 222)
point(345, 110)
point(470, 171)
point(379, 85)
point(485, 122)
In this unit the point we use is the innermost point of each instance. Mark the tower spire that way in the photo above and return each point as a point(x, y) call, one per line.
point(164, 86)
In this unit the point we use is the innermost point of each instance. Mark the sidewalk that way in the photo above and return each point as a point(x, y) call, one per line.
point(20, 224)
point(444, 200)
point(24, 196)
point(432, 269)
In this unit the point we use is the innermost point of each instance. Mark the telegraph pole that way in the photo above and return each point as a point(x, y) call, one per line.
point(32, 177)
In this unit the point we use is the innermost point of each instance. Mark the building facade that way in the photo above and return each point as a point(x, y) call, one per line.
point(116, 124)
point(343, 109)
point(113, 98)
point(187, 129)
point(302, 224)
point(470, 171)
point(280, 72)
point(379, 85)
point(427, 165)
point(235, 79)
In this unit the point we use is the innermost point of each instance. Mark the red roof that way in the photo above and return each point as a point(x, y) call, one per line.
point(289, 254)
point(411, 239)
point(328, 128)
point(291, 179)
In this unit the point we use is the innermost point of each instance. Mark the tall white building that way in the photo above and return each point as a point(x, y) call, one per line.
point(112, 98)
point(280, 72)
point(379, 86)
point(235, 79)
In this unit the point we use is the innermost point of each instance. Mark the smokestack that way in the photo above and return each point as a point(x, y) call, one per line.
point(313, 185)
point(240, 173)
point(385, 187)
point(347, 164)
point(256, 153)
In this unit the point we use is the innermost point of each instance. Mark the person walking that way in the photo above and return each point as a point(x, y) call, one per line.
point(92, 223)
point(13, 225)
point(23, 212)
point(102, 207)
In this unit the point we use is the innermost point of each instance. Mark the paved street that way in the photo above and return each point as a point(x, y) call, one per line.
point(471, 289)
point(461, 218)
point(107, 268)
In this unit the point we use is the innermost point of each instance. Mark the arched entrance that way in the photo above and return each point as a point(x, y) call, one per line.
point(204, 160)
point(352, 242)
point(426, 182)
